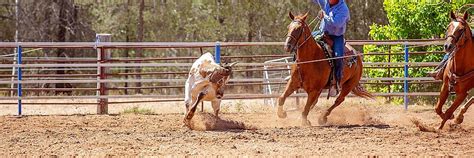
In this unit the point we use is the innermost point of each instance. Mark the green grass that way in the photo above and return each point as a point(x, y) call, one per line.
point(138, 111)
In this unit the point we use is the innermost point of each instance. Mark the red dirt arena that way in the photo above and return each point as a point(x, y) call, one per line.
point(245, 128)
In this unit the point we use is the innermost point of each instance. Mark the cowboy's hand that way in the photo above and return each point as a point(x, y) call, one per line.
point(321, 14)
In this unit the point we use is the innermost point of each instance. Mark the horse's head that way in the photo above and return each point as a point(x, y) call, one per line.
point(296, 29)
point(457, 33)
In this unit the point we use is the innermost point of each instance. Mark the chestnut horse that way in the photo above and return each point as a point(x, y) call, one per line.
point(459, 72)
point(313, 76)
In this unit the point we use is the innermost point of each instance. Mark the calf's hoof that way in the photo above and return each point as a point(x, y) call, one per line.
point(305, 123)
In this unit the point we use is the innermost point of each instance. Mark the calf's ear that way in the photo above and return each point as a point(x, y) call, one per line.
point(232, 64)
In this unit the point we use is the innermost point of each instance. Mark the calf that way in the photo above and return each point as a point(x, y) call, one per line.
point(206, 82)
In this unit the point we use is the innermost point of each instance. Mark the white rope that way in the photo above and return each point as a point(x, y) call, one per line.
point(8, 55)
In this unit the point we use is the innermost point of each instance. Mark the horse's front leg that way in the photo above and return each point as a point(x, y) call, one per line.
point(291, 86)
point(310, 102)
point(449, 113)
point(443, 96)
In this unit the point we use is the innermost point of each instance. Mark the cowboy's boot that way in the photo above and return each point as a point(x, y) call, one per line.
point(439, 70)
point(339, 67)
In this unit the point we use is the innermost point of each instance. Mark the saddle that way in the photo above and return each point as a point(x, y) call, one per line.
point(327, 43)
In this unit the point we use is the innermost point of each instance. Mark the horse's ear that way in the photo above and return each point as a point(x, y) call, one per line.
point(452, 15)
point(466, 15)
point(305, 16)
point(292, 17)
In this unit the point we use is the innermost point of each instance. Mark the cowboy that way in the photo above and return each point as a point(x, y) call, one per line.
point(334, 16)
point(438, 72)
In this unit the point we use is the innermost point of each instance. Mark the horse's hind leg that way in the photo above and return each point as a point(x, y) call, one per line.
point(310, 102)
point(290, 88)
point(346, 89)
point(449, 113)
point(466, 106)
point(443, 96)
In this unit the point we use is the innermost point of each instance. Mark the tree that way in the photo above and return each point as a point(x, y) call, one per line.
point(409, 20)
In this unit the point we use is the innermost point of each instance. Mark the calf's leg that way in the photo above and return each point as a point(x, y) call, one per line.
point(190, 113)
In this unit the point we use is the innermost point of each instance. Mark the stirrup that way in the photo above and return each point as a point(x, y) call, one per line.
point(332, 91)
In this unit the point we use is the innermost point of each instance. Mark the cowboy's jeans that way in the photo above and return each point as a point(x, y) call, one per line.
point(338, 49)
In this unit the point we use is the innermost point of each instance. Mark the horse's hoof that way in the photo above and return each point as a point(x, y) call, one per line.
point(322, 120)
point(305, 122)
point(281, 114)
point(442, 125)
point(459, 120)
point(187, 123)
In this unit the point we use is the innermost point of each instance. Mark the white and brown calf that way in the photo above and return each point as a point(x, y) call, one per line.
point(206, 82)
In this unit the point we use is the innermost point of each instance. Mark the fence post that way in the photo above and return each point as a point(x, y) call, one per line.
point(202, 102)
point(389, 73)
point(218, 52)
point(102, 56)
point(405, 84)
point(19, 75)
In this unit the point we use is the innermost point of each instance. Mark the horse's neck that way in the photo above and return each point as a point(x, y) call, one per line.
point(463, 57)
point(310, 51)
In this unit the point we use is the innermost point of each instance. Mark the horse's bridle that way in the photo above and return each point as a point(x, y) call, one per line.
point(296, 45)
point(452, 72)
point(457, 39)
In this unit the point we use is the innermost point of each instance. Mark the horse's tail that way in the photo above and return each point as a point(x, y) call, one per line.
point(362, 92)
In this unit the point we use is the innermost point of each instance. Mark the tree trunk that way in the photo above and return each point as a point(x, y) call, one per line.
point(61, 37)
point(140, 39)
point(127, 39)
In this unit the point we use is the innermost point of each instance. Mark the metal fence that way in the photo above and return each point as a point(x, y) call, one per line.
point(100, 70)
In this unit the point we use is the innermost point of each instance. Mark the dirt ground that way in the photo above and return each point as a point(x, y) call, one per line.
point(357, 128)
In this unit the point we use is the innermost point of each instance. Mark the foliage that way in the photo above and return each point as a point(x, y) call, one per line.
point(409, 20)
